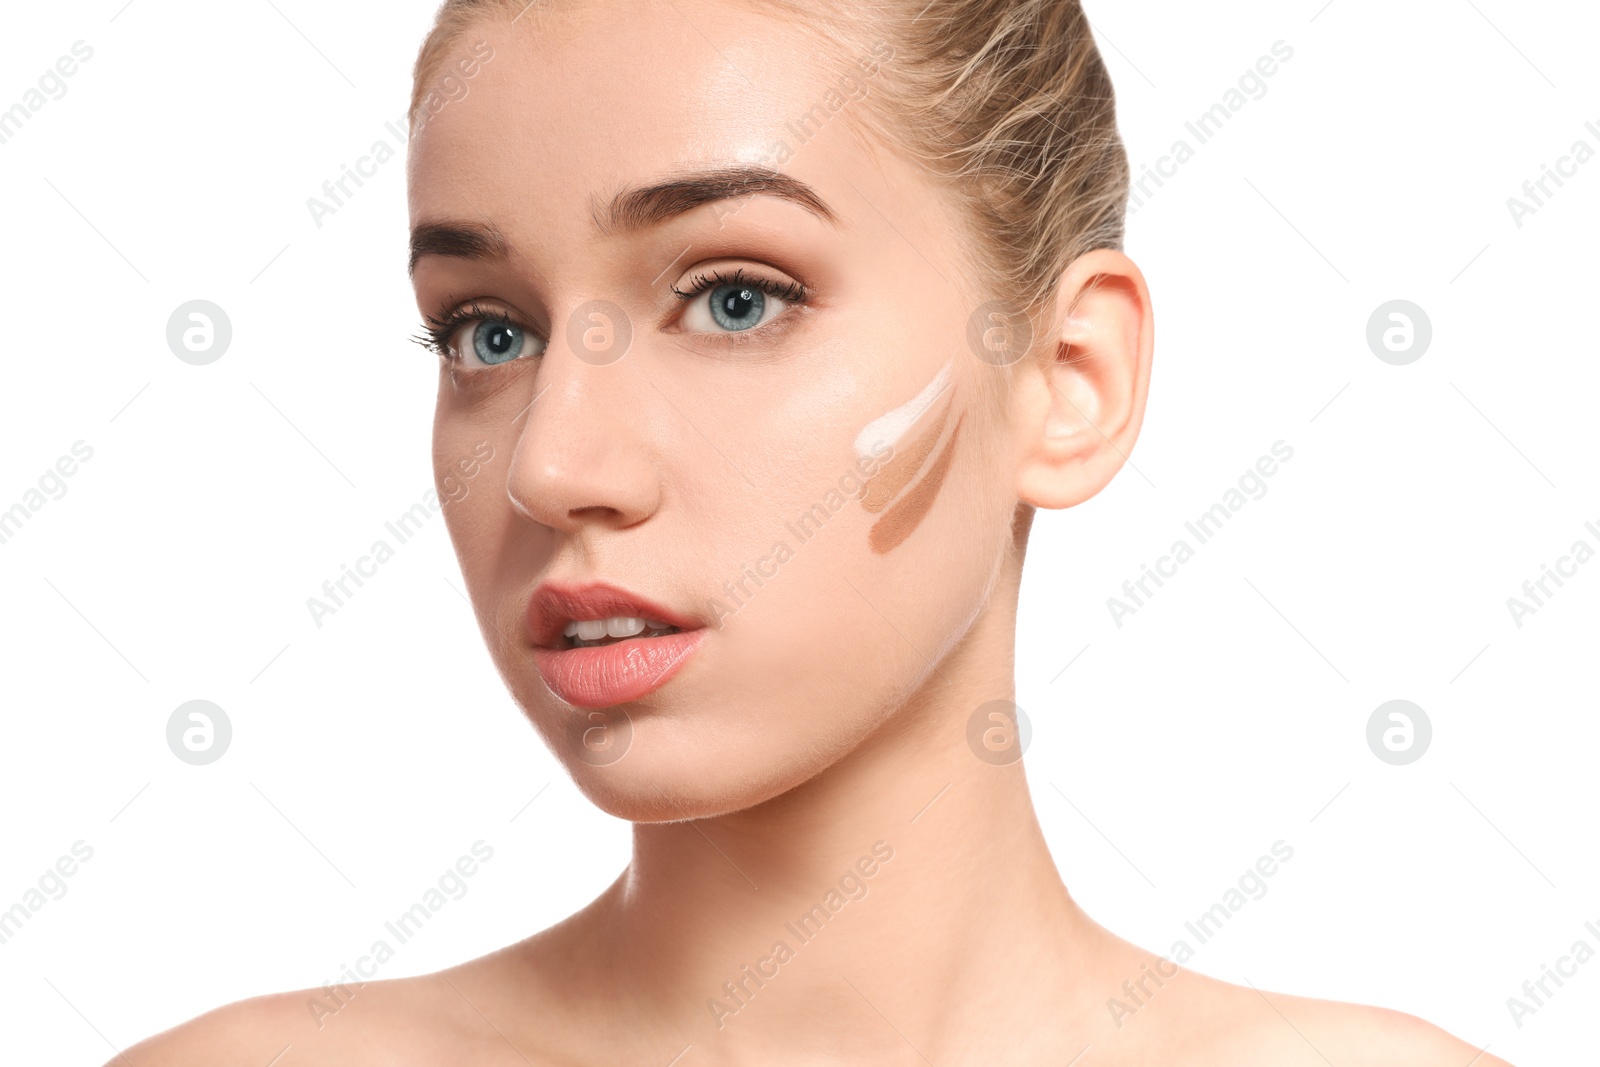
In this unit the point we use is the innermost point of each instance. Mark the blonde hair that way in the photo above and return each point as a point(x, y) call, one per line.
point(1006, 103)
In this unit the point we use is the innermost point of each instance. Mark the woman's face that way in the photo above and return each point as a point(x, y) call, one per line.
point(814, 481)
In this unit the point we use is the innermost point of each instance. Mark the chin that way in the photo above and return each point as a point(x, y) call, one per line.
point(659, 790)
point(649, 765)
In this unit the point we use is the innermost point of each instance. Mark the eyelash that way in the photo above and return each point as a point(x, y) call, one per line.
point(439, 329)
point(793, 292)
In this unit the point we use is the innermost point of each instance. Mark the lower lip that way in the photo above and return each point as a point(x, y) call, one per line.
point(604, 675)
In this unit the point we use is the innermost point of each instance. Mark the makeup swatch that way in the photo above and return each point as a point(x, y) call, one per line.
point(883, 486)
point(907, 514)
point(890, 427)
point(895, 490)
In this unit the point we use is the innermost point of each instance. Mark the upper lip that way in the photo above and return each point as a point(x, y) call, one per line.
point(554, 604)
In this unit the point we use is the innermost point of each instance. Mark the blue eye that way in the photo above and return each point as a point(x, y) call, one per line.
point(736, 304)
point(498, 342)
point(475, 336)
point(737, 307)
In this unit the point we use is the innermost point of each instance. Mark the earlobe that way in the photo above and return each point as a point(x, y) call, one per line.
point(1082, 391)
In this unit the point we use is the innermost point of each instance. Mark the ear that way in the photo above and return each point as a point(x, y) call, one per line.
point(1080, 396)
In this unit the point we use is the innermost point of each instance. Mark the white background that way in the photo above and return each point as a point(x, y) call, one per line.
point(1227, 714)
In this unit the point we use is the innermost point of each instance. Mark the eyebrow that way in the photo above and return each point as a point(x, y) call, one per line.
point(630, 210)
point(459, 240)
point(649, 205)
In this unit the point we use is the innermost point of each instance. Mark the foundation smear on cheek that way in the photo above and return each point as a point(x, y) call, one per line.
point(903, 490)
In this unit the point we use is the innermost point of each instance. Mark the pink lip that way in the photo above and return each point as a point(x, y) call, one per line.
point(605, 675)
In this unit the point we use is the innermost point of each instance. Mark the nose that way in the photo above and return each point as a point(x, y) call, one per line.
point(583, 456)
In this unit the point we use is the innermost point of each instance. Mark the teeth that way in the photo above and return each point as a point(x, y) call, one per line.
point(615, 626)
point(624, 626)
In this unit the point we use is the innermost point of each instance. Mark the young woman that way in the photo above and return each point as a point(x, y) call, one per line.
point(772, 325)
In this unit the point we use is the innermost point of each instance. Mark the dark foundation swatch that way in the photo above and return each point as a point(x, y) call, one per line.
point(883, 486)
point(900, 521)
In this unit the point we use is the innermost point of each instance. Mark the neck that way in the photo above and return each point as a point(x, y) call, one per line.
point(908, 883)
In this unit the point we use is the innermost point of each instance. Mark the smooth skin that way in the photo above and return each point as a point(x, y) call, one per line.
point(830, 711)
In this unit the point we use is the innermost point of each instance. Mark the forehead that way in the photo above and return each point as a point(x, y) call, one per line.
point(577, 103)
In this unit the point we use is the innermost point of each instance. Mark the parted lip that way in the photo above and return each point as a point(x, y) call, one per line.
point(556, 603)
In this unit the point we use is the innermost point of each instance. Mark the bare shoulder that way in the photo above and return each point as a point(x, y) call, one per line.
point(1167, 1013)
point(1280, 1029)
point(379, 1023)
point(399, 1022)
